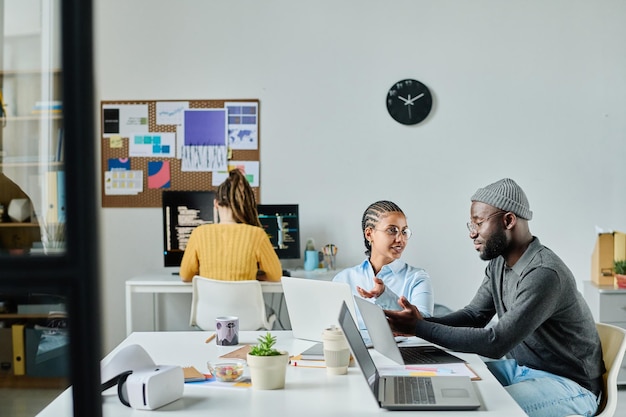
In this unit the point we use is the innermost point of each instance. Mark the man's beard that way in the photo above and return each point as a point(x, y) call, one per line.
point(494, 246)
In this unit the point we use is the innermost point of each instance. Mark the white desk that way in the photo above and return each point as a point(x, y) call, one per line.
point(163, 283)
point(308, 391)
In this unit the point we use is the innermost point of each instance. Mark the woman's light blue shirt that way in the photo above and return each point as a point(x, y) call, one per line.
point(399, 279)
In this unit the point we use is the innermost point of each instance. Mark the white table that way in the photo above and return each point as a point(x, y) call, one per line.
point(163, 283)
point(308, 391)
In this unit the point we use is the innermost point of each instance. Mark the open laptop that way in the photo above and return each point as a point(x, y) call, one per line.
point(384, 342)
point(314, 305)
point(395, 392)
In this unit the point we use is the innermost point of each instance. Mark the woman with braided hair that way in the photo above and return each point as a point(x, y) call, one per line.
point(236, 247)
point(382, 277)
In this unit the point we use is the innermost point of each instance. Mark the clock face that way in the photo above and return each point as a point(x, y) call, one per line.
point(409, 101)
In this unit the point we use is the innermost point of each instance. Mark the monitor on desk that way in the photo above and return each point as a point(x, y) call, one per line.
point(183, 211)
point(282, 225)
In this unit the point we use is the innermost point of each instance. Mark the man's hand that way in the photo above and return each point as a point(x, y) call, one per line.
point(379, 288)
point(403, 321)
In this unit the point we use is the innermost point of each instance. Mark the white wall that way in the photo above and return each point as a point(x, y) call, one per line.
point(531, 90)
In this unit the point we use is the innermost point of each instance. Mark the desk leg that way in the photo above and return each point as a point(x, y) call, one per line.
point(155, 312)
point(129, 311)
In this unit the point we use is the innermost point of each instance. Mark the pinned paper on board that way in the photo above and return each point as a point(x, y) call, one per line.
point(243, 125)
point(124, 119)
point(203, 135)
point(119, 164)
point(123, 182)
point(250, 170)
point(170, 112)
point(159, 174)
point(161, 145)
point(115, 141)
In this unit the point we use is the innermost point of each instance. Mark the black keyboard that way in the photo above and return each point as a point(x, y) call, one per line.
point(427, 355)
point(413, 390)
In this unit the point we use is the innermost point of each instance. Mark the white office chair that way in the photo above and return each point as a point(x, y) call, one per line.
point(213, 298)
point(613, 341)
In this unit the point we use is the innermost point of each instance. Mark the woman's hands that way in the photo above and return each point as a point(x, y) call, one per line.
point(379, 288)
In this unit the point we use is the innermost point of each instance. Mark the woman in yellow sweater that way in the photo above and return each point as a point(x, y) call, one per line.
point(236, 248)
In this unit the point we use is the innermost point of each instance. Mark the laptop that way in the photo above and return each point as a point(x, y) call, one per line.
point(395, 392)
point(384, 342)
point(314, 305)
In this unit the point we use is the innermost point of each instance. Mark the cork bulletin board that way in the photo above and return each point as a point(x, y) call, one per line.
point(151, 146)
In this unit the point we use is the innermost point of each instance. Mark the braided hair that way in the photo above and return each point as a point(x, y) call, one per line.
point(372, 216)
point(235, 192)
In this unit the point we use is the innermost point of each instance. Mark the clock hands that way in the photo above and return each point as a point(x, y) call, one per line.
point(419, 96)
point(409, 101)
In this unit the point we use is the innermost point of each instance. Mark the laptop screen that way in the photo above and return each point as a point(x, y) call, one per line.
point(359, 350)
point(303, 296)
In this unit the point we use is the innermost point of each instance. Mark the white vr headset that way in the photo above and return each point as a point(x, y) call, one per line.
point(141, 384)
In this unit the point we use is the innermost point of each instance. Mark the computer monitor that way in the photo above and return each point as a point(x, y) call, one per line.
point(183, 211)
point(282, 224)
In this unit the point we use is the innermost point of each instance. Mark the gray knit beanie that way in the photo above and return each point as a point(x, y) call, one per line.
point(505, 195)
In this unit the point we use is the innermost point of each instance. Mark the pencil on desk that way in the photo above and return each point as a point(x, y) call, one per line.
point(210, 338)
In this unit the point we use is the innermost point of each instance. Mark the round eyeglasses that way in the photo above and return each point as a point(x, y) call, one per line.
point(473, 227)
point(396, 232)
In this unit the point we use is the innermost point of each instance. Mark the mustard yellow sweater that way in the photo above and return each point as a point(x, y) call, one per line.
point(229, 252)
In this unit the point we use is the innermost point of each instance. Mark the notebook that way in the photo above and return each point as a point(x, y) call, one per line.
point(384, 342)
point(314, 305)
point(408, 392)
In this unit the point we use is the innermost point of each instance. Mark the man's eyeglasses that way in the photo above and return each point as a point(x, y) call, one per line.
point(395, 232)
point(473, 227)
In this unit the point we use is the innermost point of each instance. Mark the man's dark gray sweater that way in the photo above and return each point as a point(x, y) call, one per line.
point(543, 321)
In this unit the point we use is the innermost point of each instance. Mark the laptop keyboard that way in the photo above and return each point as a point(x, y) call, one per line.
point(414, 390)
point(427, 355)
point(416, 356)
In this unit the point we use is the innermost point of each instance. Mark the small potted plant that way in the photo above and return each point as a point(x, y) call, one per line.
point(620, 273)
point(267, 365)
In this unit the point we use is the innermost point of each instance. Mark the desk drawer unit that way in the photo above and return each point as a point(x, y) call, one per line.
point(608, 305)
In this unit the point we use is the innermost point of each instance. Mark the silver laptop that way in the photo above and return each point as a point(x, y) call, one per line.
point(408, 392)
point(314, 305)
point(383, 341)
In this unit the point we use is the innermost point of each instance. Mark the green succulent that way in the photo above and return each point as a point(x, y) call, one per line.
point(265, 347)
point(620, 267)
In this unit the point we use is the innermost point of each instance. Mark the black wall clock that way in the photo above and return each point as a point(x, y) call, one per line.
point(409, 101)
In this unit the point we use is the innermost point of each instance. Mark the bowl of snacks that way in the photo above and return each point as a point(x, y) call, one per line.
point(227, 370)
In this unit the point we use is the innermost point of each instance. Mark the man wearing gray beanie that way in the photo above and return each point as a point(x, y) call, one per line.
point(546, 348)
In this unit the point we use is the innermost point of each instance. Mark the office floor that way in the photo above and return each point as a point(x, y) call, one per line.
point(29, 402)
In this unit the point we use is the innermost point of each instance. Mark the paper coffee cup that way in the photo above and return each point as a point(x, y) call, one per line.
point(336, 351)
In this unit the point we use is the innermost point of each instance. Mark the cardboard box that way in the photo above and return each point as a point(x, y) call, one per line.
point(609, 247)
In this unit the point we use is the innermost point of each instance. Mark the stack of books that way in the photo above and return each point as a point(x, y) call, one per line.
point(48, 107)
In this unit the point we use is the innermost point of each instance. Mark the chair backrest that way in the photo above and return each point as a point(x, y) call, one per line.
point(613, 341)
point(214, 298)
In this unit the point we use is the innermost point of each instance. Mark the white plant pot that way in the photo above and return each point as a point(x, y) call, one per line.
point(268, 372)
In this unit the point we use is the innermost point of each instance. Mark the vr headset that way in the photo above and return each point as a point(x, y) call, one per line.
point(141, 384)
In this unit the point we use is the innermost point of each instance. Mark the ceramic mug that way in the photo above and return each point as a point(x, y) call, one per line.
point(227, 329)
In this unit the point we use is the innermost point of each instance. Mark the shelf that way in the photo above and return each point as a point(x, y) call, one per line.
point(35, 316)
point(15, 224)
point(32, 164)
point(34, 118)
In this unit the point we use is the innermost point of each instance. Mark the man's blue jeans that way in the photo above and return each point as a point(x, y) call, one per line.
point(542, 394)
